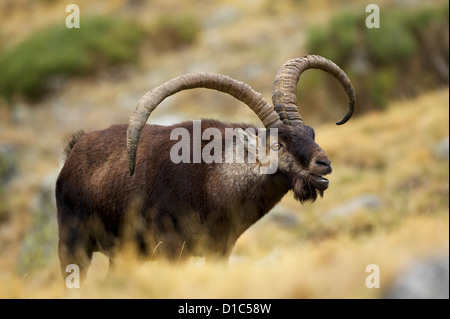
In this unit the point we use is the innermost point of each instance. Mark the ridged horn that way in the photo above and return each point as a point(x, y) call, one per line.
point(285, 87)
point(223, 83)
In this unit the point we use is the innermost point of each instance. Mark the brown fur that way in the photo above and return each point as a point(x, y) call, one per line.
point(168, 209)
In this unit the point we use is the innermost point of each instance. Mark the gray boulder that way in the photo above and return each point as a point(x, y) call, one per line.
point(441, 149)
point(423, 279)
point(8, 162)
point(40, 242)
point(352, 206)
point(283, 217)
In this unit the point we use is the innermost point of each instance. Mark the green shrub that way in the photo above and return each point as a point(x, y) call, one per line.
point(27, 67)
point(395, 47)
point(388, 62)
point(426, 16)
point(380, 86)
point(338, 40)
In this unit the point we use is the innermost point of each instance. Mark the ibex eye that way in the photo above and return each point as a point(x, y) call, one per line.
point(276, 146)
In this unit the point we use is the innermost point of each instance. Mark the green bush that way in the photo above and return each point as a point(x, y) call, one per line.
point(398, 46)
point(338, 39)
point(380, 86)
point(27, 67)
point(391, 61)
point(427, 16)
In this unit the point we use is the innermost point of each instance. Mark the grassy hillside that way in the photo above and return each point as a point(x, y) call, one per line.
point(390, 155)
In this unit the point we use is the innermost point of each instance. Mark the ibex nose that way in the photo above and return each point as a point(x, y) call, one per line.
point(322, 165)
point(323, 162)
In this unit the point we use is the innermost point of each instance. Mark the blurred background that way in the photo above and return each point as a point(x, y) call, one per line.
point(388, 199)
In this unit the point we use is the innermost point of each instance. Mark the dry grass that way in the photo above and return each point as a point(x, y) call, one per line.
point(333, 268)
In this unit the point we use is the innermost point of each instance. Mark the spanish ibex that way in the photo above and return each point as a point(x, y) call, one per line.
point(175, 210)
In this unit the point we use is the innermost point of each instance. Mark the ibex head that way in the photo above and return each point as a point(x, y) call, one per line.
point(300, 160)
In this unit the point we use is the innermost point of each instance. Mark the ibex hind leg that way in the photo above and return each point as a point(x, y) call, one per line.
point(75, 249)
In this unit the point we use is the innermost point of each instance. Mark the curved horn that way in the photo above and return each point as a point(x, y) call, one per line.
point(285, 87)
point(223, 83)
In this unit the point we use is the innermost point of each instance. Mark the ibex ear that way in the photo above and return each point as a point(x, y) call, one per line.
point(249, 140)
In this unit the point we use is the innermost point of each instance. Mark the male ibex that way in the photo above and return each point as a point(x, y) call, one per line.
point(187, 209)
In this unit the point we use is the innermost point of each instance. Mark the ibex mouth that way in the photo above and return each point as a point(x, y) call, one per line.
point(319, 182)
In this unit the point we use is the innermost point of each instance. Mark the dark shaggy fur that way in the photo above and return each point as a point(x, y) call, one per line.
point(172, 210)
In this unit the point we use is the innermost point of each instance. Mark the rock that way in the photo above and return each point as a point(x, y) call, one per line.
point(423, 279)
point(8, 160)
point(8, 169)
point(271, 259)
point(134, 5)
point(283, 217)
point(252, 71)
point(40, 241)
point(441, 149)
point(167, 119)
point(221, 16)
point(354, 205)
point(20, 113)
point(236, 259)
point(201, 66)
